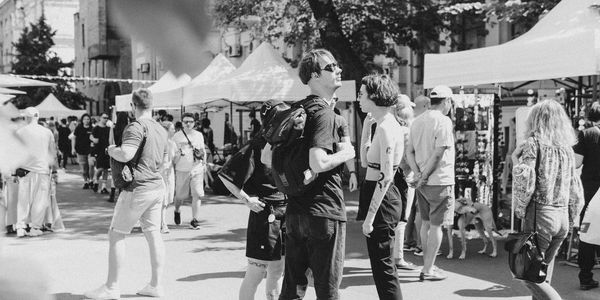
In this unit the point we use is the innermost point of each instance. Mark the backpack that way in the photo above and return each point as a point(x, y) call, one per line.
point(285, 133)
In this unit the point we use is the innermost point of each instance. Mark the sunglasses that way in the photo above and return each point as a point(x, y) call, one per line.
point(189, 122)
point(104, 117)
point(331, 67)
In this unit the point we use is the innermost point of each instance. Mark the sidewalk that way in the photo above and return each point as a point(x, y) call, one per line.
point(209, 263)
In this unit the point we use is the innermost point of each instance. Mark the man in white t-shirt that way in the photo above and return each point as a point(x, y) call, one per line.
point(34, 181)
point(430, 154)
point(189, 160)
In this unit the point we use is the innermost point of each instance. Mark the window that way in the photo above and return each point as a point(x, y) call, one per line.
point(82, 35)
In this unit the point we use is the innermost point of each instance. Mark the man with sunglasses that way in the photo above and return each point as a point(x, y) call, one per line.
point(189, 161)
point(316, 219)
point(99, 137)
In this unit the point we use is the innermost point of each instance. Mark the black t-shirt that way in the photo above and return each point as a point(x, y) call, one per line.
point(588, 145)
point(82, 140)
point(245, 170)
point(325, 197)
point(63, 138)
point(255, 124)
point(102, 134)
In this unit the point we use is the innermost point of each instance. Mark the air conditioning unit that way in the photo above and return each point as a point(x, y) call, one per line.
point(234, 50)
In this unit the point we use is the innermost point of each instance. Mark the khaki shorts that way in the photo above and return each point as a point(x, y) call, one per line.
point(436, 203)
point(189, 184)
point(144, 206)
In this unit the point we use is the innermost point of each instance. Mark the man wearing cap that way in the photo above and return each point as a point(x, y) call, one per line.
point(34, 175)
point(431, 157)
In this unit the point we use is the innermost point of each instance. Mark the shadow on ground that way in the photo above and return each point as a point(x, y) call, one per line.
point(206, 276)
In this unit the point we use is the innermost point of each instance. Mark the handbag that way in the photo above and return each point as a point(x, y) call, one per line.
point(589, 230)
point(525, 260)
point(122, 173)
point(198, 155)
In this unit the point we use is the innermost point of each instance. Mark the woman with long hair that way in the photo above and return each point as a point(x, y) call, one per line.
point(380, 203)
point(545, 186)
point(115, 137)
point(245, 174)
point(81, 146)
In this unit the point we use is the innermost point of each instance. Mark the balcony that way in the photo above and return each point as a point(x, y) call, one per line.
point(108, 50)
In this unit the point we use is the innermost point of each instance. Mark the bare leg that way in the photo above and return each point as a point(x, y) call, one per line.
point(433, 241)
point(274, 278)
point(254, 275)
point(116, 254)
point(196, 208)
point(463, 239)
point(479, 227)
point(157, 255)
point(398, 249)
point(450, 242)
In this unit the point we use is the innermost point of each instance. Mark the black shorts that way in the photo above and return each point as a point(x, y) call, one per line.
point(389, 209)
point(264, 240)
point(103, 161)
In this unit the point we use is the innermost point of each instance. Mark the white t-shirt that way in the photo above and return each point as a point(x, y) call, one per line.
point(40, 142)
point(431, 130)
point(186, 161)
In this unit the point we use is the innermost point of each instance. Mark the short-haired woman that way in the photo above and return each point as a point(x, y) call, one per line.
point(545, 186)
point(81, 146)
point(380, 203)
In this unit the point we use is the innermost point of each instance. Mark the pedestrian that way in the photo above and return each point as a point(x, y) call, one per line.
point(316, 219)
point(140, 201)
point(404, 115)
point(546, 189)
point(35, 175)
point(64, 144)
point(116, 138)
point(81, 146)
point(168, 174)
point(208, 135)
point(586, 154)
point(190, 161)
point(264, 238)
point(380, 203)
point(430, 154)
point(100, 138)
point(254, 124)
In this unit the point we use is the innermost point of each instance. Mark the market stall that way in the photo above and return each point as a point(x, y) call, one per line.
point(51, 107)
point(166, 92)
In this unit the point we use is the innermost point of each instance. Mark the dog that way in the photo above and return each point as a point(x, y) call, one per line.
point(482, 217)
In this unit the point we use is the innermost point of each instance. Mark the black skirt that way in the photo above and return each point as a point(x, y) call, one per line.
point(264, 239)
point(390, 209)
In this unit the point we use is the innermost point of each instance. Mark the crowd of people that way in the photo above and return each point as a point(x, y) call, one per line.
point(406, 199)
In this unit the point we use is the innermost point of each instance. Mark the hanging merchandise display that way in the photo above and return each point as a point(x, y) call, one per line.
point(81, 78)
point(475, 136)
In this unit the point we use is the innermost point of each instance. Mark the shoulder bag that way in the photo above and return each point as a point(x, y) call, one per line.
point(198, 154)
point(525, 260)
point(122, 173)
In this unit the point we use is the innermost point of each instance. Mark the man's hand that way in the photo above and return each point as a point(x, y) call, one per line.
point(254, 204)
point(352, 182)
point(367, 228)
point(421, 182)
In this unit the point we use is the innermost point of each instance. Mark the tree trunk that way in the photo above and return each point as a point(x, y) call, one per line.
point(334, 40)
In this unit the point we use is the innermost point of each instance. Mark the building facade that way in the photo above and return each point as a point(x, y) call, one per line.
point(100, 52)
point(15, 15)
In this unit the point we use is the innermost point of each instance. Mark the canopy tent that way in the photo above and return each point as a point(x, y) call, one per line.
point(5, 97)
point(262, 76)
point(14, 81)
point(51, 107)
point(166, 93)
point(11, 91)
point(218, 69)
point(565, 43)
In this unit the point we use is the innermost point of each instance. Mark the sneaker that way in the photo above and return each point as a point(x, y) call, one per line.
point(47, 227)
point(151, 291)
point(86, 186)
point(35, 232)
point(410, 248)
point(103, 293)
point(177, 218)
point(194, 224)
point(165, 229)
point(104, 191)
point(419, 252)
point(94, 187)
point(436, 275)
point(21, 232)
point(592, 284)
point(406, 265)
point(10, 229)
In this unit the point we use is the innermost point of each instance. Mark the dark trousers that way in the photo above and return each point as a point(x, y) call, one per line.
point(586, 256)
point(384, 270)
point(316, 243)
point(65, 154)
point(412, 232)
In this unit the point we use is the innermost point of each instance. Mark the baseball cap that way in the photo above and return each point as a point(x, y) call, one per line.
point(31, 112)
point(404, 101)
point(441, 91)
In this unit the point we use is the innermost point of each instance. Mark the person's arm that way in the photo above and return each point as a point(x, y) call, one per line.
point(73, 139)
point(432, 164)
point(524, 176)
point(111, 136)
point(444, 140)
point(132, 138)
point(320, 161)
point(578, 161)
point(386, 176)
point(53, 158)
point(365, 140)
point(252, 202)
point(93, 137)
point(321, 142)
point(576, 196)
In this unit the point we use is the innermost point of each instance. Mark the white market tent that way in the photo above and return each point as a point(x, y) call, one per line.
point(565, 43)
point(51, 107)
point(262, 76)
point(14, 81)
point(166, 92)
point(11, 91)
point(5, 97)
point(219, 69)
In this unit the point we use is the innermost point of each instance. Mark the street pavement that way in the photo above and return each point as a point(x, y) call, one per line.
point(209, 263)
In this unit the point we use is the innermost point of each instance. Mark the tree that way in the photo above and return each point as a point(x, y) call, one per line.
point(34, 57)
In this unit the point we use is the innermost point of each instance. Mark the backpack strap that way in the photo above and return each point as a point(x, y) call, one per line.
point(140, 150)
